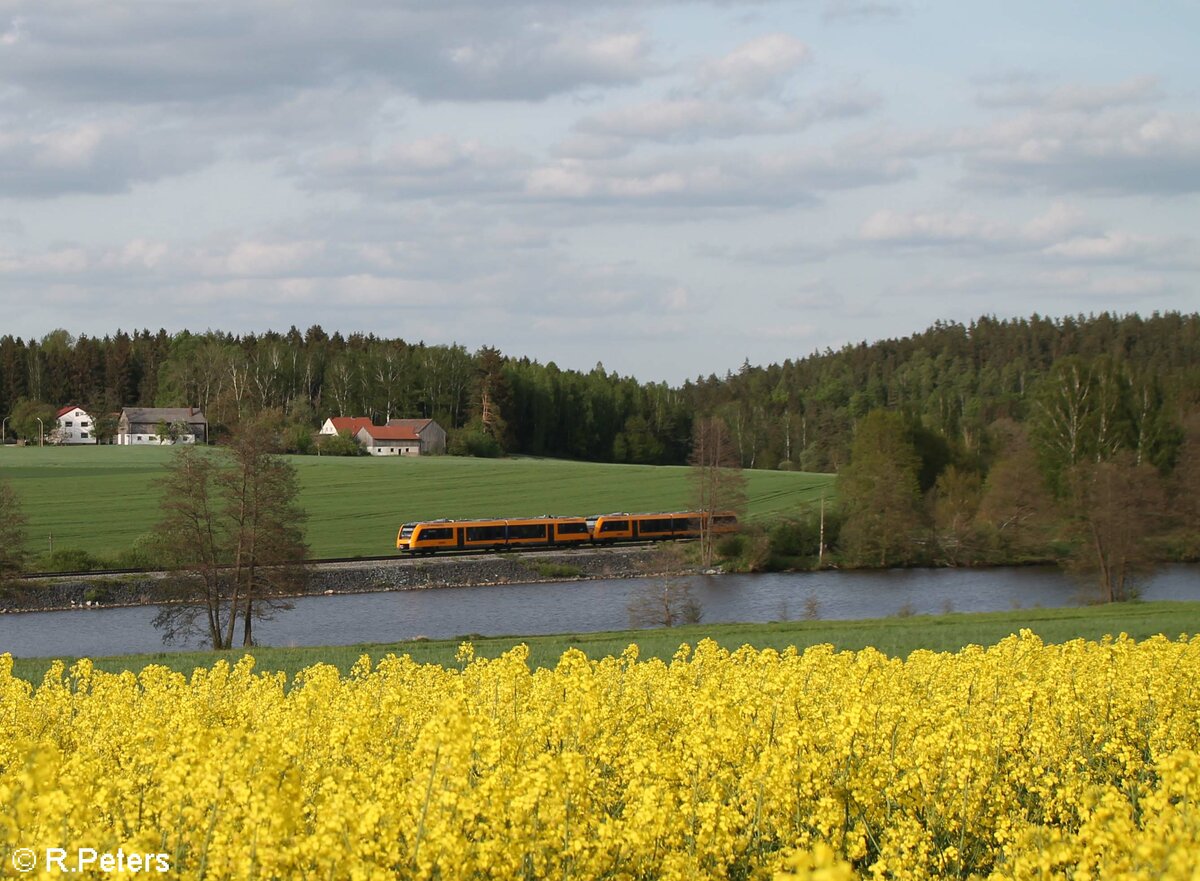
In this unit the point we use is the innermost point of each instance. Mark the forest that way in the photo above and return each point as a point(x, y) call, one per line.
point(956, 380)
point(962, 444)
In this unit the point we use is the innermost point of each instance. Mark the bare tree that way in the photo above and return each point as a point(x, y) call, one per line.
point(189, 540)
point(232, 525)
point(266, 537)
point(718, 482)
point(1115, 505)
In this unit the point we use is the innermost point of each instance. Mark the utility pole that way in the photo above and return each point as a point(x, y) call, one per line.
point(41, 432)
point(3, 429)
point(821, 537)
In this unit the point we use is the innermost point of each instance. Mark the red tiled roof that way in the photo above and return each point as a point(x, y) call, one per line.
point(392, 432)
point(414, 424)
point(65, 410)
point(351, 424)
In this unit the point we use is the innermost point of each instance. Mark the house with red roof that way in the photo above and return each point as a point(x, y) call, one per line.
point(347, 425)
point(403, 437)
point(431, 435)
point(74, 427)
point(400, 437)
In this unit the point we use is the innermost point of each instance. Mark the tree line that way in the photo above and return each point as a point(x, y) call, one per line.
point(957, 379)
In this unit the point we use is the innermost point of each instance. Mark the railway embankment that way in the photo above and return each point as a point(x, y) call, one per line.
point(104, 591)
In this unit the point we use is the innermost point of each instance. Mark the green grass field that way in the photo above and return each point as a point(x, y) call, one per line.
point(101, 499)
point(897, 637)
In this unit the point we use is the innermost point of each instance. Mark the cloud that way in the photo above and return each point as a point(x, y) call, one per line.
point(110, 156)
point(1113, 152)
point(439, 165)
point(863, 10)
point(768, 179)
point(756, 67)
point(141, 51)
point(916, 229)
point(1061, 234)
point(1020, 91)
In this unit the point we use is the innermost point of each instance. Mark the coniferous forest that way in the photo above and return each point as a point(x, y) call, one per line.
point(967, 434)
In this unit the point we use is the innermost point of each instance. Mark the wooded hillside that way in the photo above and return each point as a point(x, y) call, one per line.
point(954, 380)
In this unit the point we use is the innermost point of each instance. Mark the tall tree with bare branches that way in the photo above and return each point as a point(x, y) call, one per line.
point(1117, 505)
point(717, 479)
point(232, 525)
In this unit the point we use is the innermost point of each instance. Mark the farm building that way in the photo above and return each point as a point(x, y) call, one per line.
point(348, 425)
point(400, 437)
point(74, 427)
point(161, 425)
point(431, 435)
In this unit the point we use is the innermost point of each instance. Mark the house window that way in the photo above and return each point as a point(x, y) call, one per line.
point(69, 423)
point(84, 424)
point(83, 434)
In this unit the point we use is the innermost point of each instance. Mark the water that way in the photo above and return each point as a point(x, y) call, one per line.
point(586, 606)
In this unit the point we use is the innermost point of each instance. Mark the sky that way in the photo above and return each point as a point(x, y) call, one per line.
point(668, 188)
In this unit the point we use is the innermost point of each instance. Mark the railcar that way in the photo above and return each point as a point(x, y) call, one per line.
point(431, 536)
point(609, 528)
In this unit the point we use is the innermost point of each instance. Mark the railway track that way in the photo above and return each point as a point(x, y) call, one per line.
point(382, 558)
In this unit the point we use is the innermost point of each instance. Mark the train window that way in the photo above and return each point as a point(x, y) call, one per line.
point(486, 533)
point(686, 524)
point(658, 524)
point(725, 519)
point(614, 526)
point(572, 529)
point(406, 530)
point(527, 530)
point(437, 533)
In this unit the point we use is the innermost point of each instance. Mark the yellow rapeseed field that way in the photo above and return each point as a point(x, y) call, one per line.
point(1023, 760)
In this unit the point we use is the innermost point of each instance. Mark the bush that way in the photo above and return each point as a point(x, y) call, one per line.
point(339, 445)
point(474, 441)
point(731, 546)
point(71, 560)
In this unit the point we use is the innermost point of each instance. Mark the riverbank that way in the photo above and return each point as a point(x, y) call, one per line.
point(895, 637)
point(116, 591)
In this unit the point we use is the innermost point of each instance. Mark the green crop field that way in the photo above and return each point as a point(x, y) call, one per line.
point(101, 499)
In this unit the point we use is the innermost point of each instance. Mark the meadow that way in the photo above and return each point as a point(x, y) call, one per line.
point(102, 499)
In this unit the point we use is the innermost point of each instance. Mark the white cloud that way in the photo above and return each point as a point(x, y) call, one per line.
point(1021, 92)
point(929, 228)
point(756, 67)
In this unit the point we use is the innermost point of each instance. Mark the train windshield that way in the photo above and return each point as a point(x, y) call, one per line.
point(406, 530)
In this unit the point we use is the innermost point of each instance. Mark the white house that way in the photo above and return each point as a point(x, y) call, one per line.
point(74, 427)
point(161, 425)
point(350, 425)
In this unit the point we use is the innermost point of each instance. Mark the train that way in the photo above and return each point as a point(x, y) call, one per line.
point(434, 536)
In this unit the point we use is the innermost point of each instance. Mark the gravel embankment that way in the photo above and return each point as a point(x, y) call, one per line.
point(335, 578)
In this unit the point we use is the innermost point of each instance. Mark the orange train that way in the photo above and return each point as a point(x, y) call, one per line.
point(432, 536)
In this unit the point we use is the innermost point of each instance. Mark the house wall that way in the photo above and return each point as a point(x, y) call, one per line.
point(140, 435)
point(433, 439)
point(394, 448)
point(75, 428)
